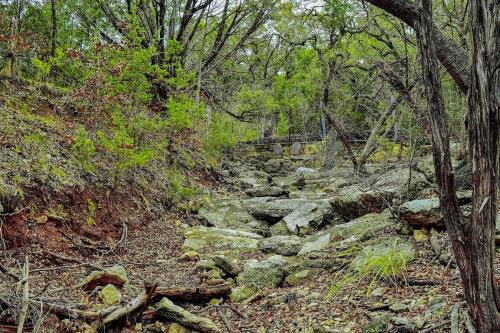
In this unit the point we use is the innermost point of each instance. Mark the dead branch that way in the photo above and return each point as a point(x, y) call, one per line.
point(225, 320)
point(26, 296)
point(133, 305)
point(72, 259)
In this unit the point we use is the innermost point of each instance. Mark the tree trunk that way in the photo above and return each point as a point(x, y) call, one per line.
point(370, 145)
point(483, 120)
point(53, 30)
point(472, 241)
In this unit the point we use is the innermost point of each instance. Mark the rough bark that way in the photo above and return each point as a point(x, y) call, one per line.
point(198, 294)
point(483, 117)
point(53, 30)
point(453, 57)
point(472, 240)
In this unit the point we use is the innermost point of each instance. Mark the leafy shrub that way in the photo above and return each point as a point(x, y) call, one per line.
point(91, 210)
point(124, 147)
point(183, 111)
point(84, 150)
point(225, 132)
point(178, 190)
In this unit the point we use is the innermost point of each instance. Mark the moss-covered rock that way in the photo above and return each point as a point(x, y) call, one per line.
point(284, 245)
point(198, 238)
point(266, 273)
point(241, 293)
point(115, 275)
point(300, 277)
point(110, 295)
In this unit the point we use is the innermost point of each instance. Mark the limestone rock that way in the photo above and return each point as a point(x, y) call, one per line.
point(178, 328)
point(241, 293)
point(265, 191)
point(362, 227)
point(227, 265)
point(266, 273)
point(115, 275)
point(422, 213)
point(200, 237)
point(315, 245)
point(299, 277)
point(420, 236)
point(279, 229)
point(274, 210)
point(284, 245)
point(190, 256)
point(109, 295)
point(296, 148)
point(166, 309)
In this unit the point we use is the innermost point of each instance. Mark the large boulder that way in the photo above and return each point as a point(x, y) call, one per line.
point(199, 237)
point(284, 245)
point(230, 214)
point(252, 178)
point(395, 182)
point(304, 218)
point(316, 244)
point(265, 191)
point(273, 210)
point(266, 273)
point(355, 200)
point(422, 213)
point(362, 227)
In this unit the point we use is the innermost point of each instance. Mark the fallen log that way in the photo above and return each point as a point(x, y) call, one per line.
point(68, 312)
point(166, 309)
point(115, 312)
point(198, 294)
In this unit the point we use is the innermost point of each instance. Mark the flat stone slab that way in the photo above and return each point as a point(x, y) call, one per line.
point(200, 237)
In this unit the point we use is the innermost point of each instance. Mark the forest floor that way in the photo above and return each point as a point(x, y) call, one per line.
point(282, 280)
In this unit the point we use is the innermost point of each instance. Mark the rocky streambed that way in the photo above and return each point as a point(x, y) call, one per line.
point(295, 243)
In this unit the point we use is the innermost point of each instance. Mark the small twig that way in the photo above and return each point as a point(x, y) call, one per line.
point(226, 321)
point(423, 282)
point(122, 239)
point(72, 259)
point(6, 271)
point(26, 296)
point(14, 213)
point(238, 313)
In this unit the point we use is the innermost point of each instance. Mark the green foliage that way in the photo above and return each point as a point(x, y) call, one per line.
point(42, 68)
point(183, 112)
point(178, 189)
point(91, 211)
point(283, 126)
point(84, 150)
point(124, 147)
point(225, 132)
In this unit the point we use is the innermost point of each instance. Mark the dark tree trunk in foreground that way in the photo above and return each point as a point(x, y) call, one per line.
point(53, 30)
point(473, 240)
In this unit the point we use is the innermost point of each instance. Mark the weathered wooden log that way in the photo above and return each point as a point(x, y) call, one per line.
point(197, 294)
point(166, 309)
